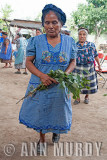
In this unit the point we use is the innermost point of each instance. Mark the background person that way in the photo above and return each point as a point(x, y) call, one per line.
point(66, 32)
point(38, 31)
point(6, 51)
point(20, 53)
point(1, 39)
point(85, 61)
point(49, 110)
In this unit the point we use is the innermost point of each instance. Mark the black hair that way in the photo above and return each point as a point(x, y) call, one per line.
point(4, 33)
point(19, 34)
point(39, 30)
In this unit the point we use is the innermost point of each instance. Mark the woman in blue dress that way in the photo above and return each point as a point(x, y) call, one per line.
point(49, 110)
point(20, 53)
point(85, 61)
point(6, 51)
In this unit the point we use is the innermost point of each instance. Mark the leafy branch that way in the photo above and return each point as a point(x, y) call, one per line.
point(74, 83)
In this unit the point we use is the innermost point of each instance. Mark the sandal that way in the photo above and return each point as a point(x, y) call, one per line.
point(25, 73)
point(10, 67)
point(5, 67)
point(76, 102)
point(86, 100)
point(18, 72)
point(55, 138)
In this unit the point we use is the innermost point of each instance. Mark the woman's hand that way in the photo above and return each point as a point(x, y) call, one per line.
point(99, 67)
point(97, 60)
point(46, 80)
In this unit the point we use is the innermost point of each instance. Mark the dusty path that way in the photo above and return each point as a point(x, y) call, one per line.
point(89, 122)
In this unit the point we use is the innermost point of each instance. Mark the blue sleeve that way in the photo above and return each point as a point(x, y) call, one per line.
point(31, 48)
point(94, 50)
point(73, 50)
point(1, 38)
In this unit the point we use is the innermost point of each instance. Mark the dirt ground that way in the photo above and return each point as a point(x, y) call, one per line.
point(89, 125)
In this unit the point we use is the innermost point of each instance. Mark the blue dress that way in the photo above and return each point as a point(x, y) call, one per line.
point(20, 51)
point(20, 54)
point(1, 38)
point(1, 41)
point(8, 54)
point(49, 110)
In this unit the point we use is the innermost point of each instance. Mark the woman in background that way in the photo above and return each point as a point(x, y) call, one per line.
point(38, 31)
point(1, 39)
point(85, 61)
point(6, 51)
point(20, 53)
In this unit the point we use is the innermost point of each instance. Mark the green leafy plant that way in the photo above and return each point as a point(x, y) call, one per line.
point(74, 83)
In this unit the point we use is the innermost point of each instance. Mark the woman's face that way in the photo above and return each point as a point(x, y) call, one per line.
point(16, 37)
point(4, 36)
point(82, 36)
point(38, 32)
point(52, 25)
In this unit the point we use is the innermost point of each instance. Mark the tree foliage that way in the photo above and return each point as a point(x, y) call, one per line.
point(38, 18)
point(92, 15)
point(97, 3)
point(6, 11)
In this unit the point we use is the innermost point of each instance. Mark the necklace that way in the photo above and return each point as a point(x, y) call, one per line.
point(59, 47)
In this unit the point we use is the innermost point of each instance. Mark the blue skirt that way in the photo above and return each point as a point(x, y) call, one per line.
point(47, 111)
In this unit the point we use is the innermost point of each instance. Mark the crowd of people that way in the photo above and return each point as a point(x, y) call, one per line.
point(50, 110)
point(19, 53)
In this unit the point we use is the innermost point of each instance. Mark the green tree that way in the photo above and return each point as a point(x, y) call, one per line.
point(93, 16)
point(6, 11)
point(38, 18)
point(71, 26)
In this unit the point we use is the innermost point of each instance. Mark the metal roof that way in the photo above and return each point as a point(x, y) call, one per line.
point(25, 24)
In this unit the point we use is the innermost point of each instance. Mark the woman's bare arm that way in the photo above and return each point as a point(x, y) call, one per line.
point(98, 62)
point(6, 44)
point(71, 66)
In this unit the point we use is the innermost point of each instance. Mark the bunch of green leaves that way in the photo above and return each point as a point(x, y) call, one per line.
point(74, 83)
